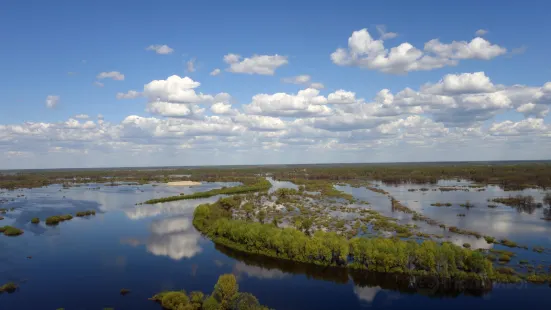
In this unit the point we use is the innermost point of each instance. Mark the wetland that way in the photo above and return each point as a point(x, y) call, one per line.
point(293, 237)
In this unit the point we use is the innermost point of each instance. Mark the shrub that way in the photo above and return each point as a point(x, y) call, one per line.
point(11, 231)
point(56, 219)
point(35, 220)
point(8, 287)
point(504, 258)
point(85, 213)
point(125, 291)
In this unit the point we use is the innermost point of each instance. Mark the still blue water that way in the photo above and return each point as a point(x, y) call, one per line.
point(83, 263)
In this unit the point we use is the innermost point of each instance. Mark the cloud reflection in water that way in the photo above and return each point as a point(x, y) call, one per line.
point(174, 237)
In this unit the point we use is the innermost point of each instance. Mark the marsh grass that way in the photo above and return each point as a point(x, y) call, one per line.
point(11, 231)
point(85, 213)
point(56, 219)
point(9, 287)
point(124, 291)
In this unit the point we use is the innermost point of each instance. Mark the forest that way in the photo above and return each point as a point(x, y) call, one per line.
point(509, 175)
point(329, 249)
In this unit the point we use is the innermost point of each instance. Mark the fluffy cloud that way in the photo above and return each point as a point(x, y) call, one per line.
point(82, 116)
point(481, 32)
point(115, 75)
point(529, 126)
point(451, 118)
point(306, 102)
point(533, 110)
point(98, 84)
point(465, 99)
point(52, 101)
point(302, 80)
point(256, 64)
point(160, 49)
point(215, 72)
point(384, 35)
point(366, 52)
point(131, 94)
point(299, 79)
point(341, 97)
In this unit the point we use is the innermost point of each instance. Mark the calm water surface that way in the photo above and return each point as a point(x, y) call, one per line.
point(83, 263)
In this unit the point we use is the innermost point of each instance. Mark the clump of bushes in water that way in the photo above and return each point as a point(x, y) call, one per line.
point(8, 288)
point(538, 278)
point(490, 239)
point(330, 249)
point(125, 291)
point(260, 185)
point(538, 249)
point(521, 203)
point(35, 220)
point(440, 204)
point(492, 206)
point(56, 219)
point(225, 295)
point(85, 213)
point(11, 231)
point(467, 205)
point(460, 231)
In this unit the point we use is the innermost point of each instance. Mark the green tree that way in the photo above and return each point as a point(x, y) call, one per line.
point(225, 289)
point(261, 216)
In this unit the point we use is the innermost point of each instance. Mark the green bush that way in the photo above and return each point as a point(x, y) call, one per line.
point(11, 231)
point(35, 220)
point(8, 287)
point(261, 185)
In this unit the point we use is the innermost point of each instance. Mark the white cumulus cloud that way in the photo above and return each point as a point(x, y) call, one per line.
point(256, 64)
point(160, 49)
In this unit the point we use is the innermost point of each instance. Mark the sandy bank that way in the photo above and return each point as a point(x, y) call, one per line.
point(183, 183)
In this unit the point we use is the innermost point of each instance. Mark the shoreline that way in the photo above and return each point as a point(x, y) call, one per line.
point(183, 183)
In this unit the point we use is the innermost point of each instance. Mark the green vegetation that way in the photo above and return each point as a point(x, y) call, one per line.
point(440, 204)
point(225, 296)
point(329, 249)
point(504, 258)
point(56, 219)
point(85, 213)
point(11, 231)
point(510, 176)
point(260, 185)
point(125, 291)
point(35, 220)
point(538, 249)
point(8, 288)
point(490, 239)
point(467, 205)
point(537, 278)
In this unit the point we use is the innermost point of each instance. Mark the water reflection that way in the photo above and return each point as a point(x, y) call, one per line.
point(174, 237)
point(280, 184)
point(168, 208)
point(257, 272)
point(367, 284)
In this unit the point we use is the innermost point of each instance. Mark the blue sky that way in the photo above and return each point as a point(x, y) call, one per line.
point(59, 47)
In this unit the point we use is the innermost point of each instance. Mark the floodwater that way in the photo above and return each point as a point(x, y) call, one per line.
point(83, 263)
